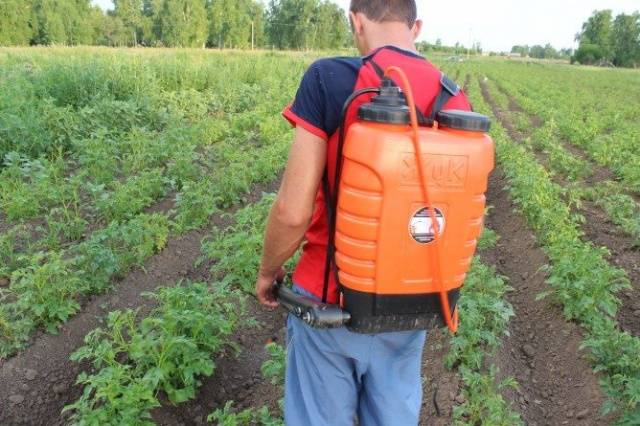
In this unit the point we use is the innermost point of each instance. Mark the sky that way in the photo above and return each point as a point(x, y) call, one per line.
point(499, 24)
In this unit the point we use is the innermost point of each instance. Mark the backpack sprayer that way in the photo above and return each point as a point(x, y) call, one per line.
point(406, 214)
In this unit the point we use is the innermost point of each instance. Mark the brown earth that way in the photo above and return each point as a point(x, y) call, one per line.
point(467, 81)
point(597, 227)
point(441, 387)
point(37, 383)
point(557, 385)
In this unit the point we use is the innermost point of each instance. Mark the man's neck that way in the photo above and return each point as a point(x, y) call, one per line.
point(411, 47)
point(408, 48)
point(386, 35)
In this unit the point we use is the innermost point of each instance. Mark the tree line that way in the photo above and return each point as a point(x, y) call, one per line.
point(605, 40)
point(283, 24)
point(542, 52)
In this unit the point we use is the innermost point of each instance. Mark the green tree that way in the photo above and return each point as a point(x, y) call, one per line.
point(597, 31)
point(306, 24)
point(626, 37)
point(183, 23)
point(231, 23)
point(49, 25)
point(130, 13)
point(109, 30)
point(150, 22)
point(588, 54)
point(543, 52)
point(331, 27)
point(522, 50)
point(15, 22)
point(62, 22)
point(289, 23)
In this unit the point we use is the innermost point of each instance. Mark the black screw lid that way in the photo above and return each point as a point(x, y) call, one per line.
point(390, 106)
point(463, 120)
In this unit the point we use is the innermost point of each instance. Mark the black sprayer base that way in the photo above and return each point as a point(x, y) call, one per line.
point(377, 313)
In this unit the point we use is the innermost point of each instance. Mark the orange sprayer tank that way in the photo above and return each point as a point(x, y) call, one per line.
point(384, 233)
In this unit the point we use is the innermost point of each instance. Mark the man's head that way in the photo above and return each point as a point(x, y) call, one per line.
point(376, 22)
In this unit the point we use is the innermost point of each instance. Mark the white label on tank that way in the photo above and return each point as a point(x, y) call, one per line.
point(421, 226)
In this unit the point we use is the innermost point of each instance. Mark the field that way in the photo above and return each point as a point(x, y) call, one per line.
point(133, 190)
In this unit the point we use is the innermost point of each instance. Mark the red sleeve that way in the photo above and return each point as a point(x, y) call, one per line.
point(295, 120)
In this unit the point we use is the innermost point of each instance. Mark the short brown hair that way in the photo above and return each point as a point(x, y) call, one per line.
point(387, 10)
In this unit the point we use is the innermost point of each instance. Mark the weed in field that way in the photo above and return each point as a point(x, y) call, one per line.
point(46, 290)
point(483, 400)
point(15, 246)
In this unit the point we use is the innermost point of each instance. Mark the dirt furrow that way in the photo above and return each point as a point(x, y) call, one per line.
point(542, 351)
point(597, 227)
point(36, 384)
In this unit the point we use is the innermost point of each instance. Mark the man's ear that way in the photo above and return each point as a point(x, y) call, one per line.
point(356, 23)
point(417, 29)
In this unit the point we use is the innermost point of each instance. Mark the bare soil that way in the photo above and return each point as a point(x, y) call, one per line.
point(597, 226)
point(557, 385)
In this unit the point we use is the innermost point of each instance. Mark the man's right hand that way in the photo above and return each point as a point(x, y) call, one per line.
point(264, 287)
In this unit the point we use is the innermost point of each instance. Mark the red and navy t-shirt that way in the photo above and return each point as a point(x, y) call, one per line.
point(317, 107)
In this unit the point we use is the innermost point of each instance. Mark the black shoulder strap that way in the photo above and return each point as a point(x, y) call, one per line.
point(329, 265)
point(448, 89)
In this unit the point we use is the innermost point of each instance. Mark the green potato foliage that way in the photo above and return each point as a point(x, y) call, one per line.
point(166, 352)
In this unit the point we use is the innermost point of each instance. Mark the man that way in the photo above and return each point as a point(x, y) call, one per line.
point(334, 376)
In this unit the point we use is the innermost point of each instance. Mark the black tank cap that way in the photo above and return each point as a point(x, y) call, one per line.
point(463, 120)
point(390, 106)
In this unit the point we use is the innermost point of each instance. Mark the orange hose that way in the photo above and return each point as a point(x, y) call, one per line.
point(452, 323)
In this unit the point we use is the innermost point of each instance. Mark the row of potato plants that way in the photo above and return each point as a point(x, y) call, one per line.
point(610, 195)
point(232, 134)
point(595, 110)
point(484, 320)
point(138, 360)
point(580, 277)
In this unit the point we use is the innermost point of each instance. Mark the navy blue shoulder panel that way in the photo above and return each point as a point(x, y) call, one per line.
point(324, 89)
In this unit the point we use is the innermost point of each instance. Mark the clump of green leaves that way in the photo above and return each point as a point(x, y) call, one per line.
point(15, 246)
point(227, 416)
point(484, 317)
point(483, 401)
point(274, 368)
point(488, 239)
point(126, 199)
point(167, 351)
point(237, 249)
